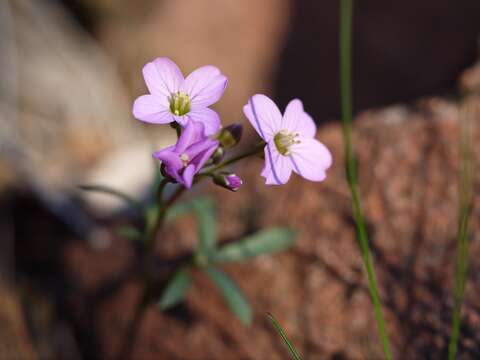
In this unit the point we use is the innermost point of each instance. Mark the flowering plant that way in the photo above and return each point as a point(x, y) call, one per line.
point(201, 152)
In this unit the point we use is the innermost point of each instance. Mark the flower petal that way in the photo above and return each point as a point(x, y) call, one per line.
point(297, 120)
point(209, 119)
point(187, 176)
point(264, 116)
point(169, 157)
point(200, 147)
point(192, 133)
point(310, 159)
point(163, 77)
point(205, 86)
point(151, 109)
point(201, 152)
point(278, 168)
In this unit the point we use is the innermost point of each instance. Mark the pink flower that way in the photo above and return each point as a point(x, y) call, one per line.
point(175, 98)
point(291, 144)
point(184, 159)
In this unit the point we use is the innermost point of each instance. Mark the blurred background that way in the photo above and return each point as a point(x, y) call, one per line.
point(69, 72)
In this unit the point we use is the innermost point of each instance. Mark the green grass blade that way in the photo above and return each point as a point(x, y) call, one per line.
point(176, 289)
point(465, 190)
point(232, 294)
point(346, 21)
point(114, 192)
point(286, 340)
point(263, 242)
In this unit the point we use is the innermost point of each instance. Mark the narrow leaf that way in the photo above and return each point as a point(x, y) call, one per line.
point(114, 192)
point(264, 242)
point(206, 225)
point(181, 209)
point(281, 332)
point(176, 289)
point(232, 295)
point(178, 210)
point(128, 232)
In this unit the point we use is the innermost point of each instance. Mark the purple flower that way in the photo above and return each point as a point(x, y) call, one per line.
point(184, 159)
point(291, 143)
point(175, 98)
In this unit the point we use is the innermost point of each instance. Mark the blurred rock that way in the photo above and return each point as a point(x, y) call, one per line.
point(15, 341)
point(63, 109)
point(401, 51)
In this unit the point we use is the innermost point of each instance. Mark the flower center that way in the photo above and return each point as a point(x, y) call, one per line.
point(284, 140)
point(179, 103)
point(185, 159)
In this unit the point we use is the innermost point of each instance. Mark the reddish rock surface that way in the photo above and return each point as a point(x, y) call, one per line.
point(408, 165)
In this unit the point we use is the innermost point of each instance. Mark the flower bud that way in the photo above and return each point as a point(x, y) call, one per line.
point(218, 155)
point(230, 135)
point(229, 181)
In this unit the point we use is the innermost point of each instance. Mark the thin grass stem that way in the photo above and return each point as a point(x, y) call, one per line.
point(465, 190)
point(346, 20)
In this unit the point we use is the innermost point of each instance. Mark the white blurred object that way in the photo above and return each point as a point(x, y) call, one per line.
point(65, 117)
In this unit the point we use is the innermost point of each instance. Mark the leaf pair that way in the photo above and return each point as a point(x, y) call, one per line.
point(207, 256)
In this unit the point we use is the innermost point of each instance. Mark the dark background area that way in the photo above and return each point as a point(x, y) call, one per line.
point(403, 50)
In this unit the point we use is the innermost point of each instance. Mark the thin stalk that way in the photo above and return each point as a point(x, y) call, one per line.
point(154, 222)
point(346, 17)
point(291, 348)
point(254, 151)
point(116, 193)
point(465, 207)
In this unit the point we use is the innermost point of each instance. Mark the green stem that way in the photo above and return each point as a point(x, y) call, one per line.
point(465, 195)
point(254, 151)
point(346, 17)
point(154, 221)
point(153, 224)
point(155, 216)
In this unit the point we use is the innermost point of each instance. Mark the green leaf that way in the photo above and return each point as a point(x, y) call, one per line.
point(176, 289)
point(128, 232)
point(113, 192)
point(183, 208)
point(263, 242)
point(281, 332)
point(206, 225)
point(178, 210)
point(232, 294)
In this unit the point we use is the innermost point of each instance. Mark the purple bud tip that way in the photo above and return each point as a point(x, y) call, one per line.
point(233, 182)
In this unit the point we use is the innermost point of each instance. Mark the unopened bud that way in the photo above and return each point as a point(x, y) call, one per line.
point(230, 135)
point(218, 155)
point(228, 181)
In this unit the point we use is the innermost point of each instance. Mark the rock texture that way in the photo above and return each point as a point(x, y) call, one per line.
point(408, 165)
